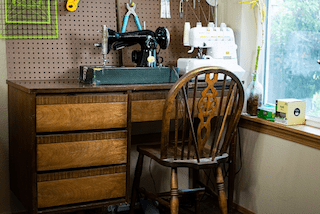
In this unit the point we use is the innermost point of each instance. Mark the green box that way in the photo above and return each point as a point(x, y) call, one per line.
point(267, 112)
point(99, 75)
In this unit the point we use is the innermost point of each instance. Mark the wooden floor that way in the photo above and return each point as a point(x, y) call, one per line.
point(209, 205)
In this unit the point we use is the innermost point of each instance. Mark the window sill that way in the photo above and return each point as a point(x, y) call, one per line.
point(303, 134)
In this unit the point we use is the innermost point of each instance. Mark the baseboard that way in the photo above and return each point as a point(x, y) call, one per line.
point(19, 212)
point(14, 212)
point(236, 207)
point(242, 210)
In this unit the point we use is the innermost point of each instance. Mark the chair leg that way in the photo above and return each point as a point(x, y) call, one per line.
point(136, 182)
point(174, 204)
point(197, 207)
point(222, 193)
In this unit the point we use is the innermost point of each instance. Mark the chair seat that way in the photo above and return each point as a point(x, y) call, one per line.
point(154, 152)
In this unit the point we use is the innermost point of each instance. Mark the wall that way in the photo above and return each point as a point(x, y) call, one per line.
point(278, 176)
point(8, 202)
point(4, 150)
point(242, 19)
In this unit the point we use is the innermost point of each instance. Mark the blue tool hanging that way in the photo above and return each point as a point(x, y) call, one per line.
point(131, 10)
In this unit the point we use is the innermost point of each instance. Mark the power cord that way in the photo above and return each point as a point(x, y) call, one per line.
point(240, 151)
point(208, 179)
point(154, 183)
point(240, 155)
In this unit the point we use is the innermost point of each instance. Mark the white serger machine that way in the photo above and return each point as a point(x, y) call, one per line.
point(220, 45)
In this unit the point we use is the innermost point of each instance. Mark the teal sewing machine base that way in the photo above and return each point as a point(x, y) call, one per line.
point(127, 75)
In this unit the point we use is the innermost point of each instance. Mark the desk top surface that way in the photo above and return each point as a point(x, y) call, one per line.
point(75, 86)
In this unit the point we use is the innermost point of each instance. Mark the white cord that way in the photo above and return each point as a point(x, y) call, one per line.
point(194, 13)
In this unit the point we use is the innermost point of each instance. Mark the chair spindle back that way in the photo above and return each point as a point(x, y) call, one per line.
point(205, 113)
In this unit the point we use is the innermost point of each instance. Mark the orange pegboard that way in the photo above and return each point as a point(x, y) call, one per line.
point(41, 59)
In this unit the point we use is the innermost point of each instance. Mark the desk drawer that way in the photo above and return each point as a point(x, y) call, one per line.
point(147, 106)
point(56, 113)
point(55, 189)
point(81, 150)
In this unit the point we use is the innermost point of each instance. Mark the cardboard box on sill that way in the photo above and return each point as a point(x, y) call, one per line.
point(290, 111)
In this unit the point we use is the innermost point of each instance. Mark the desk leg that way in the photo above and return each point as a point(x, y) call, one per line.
point(129, 128)
point(232, 168)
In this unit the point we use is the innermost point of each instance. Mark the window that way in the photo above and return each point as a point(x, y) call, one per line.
point(292, 52)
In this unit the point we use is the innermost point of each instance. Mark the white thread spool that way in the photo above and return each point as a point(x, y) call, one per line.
point(186, 34)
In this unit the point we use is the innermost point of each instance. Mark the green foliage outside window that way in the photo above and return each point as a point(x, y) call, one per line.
point(294, 44)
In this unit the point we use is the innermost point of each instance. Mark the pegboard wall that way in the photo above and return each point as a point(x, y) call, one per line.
point(48, 59)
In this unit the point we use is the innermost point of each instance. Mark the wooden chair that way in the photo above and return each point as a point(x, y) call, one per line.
point(204, 116)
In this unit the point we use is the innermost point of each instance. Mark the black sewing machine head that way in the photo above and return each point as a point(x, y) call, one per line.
point(148, 40)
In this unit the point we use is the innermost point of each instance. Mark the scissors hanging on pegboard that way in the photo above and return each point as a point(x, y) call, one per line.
point(131, 10)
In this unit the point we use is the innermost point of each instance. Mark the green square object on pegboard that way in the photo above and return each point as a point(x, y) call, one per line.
point(32, 23)
point(27, 11)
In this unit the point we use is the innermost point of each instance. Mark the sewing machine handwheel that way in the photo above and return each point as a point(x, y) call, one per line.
point(163, 37)
point(160, 60)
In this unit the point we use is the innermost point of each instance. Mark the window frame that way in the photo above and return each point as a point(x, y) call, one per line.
point(310, 120)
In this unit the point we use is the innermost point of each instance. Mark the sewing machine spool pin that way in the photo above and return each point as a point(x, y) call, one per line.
point(105, 37)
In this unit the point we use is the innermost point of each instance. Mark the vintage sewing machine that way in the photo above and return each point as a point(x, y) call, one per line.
point(148, 70)
point(148, 40)
point(220, 45)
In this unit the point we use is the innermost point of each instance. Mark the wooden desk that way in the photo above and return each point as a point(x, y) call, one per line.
point(69, 143)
